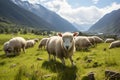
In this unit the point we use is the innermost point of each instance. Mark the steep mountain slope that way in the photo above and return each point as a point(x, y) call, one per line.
point(51, 17)
point(110, 23)
point(20, 16)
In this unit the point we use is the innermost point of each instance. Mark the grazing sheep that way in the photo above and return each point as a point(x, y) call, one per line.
point(82, 42)
point(114, 44)
point(5, 48)
point(109, 40)
point(97, 39)
point(62, 46)
point(36, 40)
point(30, 43)
point(43, 43)
point(15, 45)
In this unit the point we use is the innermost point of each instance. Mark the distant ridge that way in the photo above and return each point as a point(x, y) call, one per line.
point(108, 24)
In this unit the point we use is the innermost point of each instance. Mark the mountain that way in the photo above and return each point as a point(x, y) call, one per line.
point(57, 22)
point(108, 24)
point(20, 16)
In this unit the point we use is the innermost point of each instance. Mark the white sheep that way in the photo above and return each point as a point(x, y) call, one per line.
point(6, 48)
point(91, 39)
point(62, 46)
point(97, 39)
point(15, 45)
point(42, 43)
point(30, 43)
point(109, 40)
point(114, 44)
point(82, 42)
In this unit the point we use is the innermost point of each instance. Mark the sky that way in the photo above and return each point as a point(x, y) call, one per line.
point(82, 12)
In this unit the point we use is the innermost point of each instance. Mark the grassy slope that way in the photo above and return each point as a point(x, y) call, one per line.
point(27, 67)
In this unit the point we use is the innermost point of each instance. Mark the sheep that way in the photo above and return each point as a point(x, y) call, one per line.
point(114, 44)
point(97, 39)
point(82, 42)
point(62, 46)
point(36, 40)
point(43, 43)
point(6, 49)
point(91, 39)
point(109, 40)
point(30, 43)
point(15, 45)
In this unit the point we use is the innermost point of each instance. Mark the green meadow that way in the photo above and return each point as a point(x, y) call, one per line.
point(34, 64)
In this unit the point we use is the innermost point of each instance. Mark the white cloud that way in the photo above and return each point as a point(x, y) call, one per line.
point(108, 9)
point(57, 5)
point(35, 1)
point(95, 1)
point(80, 15)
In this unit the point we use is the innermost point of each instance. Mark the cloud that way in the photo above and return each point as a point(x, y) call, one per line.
point(32, 1)
point(57, 5)
point(95, 1)
point(80, 15)
point(108, 9)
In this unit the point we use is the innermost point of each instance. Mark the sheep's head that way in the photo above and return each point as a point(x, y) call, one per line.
point(36, 40)
point(68, 39)
point(8, 51)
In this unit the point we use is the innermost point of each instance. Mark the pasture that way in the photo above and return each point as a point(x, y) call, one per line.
point(34, 64)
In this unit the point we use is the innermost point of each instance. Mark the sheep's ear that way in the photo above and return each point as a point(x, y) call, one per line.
point(75, 34)
point(59, 34)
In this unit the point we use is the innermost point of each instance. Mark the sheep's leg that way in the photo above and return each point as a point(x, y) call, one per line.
point(19, 50)
point(71, 60)
point(49, 57)
point(63, 61)
point(24, 49)
point(54, 58)
point(43, 47)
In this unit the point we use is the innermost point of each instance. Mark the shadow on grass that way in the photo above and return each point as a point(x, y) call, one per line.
point(63, 72)
point(53, 66)
point(10, 56)
point(2, 56)
point(68, 74)
point(2, 63)
point(84, 50)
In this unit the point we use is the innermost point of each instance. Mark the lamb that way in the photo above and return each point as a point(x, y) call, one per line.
point(30, 43)
point(62, 46)
point(97, 39)
point(82, 42)
point(114, 44)
point(43, 43)
point(15, 45)
point(109, 40)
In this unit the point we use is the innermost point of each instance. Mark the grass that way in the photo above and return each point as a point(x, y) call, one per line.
point(27, 67)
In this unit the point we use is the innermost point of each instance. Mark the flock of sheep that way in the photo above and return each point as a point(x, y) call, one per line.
point(61, 46)
point(14, 45)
